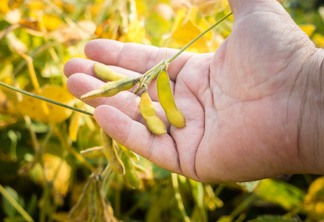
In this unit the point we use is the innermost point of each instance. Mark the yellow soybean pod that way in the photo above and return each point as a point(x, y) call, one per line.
point(110, 151)
point(93, 152)
point(153, 122)
point(131, 177)
point(111, 88)
point(167, 102)
point(105, 73)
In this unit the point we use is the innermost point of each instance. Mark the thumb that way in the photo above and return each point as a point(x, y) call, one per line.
point(241, 8)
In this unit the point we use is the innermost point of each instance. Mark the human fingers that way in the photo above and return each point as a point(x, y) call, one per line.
point(135, 57)
point(134, 135)
point(79, 65)
point(79, 84)
point(85, 66)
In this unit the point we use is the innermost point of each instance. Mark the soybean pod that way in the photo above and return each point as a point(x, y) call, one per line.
point(93, 152)
point(105, 73)
point(111, 88)
point(110, 151)
point(166, 99)
point(131, 176)
point(153, 122)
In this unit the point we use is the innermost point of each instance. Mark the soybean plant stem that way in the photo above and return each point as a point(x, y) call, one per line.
point(44, 98)
point(198, 37)
point(15, 204)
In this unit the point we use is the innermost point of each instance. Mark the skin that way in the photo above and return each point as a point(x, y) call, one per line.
point(253, 108)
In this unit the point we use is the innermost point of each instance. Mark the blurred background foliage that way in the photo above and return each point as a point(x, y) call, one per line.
point(44, 177)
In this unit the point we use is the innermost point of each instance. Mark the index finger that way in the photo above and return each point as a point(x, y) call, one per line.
point(132, 56)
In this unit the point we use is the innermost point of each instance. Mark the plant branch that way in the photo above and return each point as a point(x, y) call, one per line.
point(15, 204)
point(44, 98)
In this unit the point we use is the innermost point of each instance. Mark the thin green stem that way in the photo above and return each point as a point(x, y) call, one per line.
point(244, 205)
point(198, 37)
point(175, 184)
point(148, 76)
point(44, 99)
point(15, 204)
point(68, 147)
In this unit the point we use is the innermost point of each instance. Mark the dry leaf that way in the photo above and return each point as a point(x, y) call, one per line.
point(13, 16)
point(56, 170)
point(68, 34)
point(15, 44)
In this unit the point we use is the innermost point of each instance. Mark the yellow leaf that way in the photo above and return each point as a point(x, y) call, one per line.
point(278, 192)
point(34, 107)
point(180, 16)
point(74, 126)
point(35, 5)
point(4, 6)
point(187, 32)
point(141, 7)
point(318, 39)
point(187, 27)
point(51, 22)
point(55, 170)
point(15, 44)
point(5, 106)
point(308, 29)
point(135, 33)
point(6, 71)
point(314, 199)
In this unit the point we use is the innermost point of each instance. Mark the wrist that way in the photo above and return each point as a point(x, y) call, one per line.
point(310, 126)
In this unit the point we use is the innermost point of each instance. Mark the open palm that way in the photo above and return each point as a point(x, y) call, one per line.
point(241, 104)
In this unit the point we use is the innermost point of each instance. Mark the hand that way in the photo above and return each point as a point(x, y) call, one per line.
point(244, 104)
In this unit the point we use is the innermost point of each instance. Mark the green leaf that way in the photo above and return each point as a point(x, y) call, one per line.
point(278, 192)
point(160, 173)
point(157, 26)
point(314, 199)
point(249, 186)
point(8, 208)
